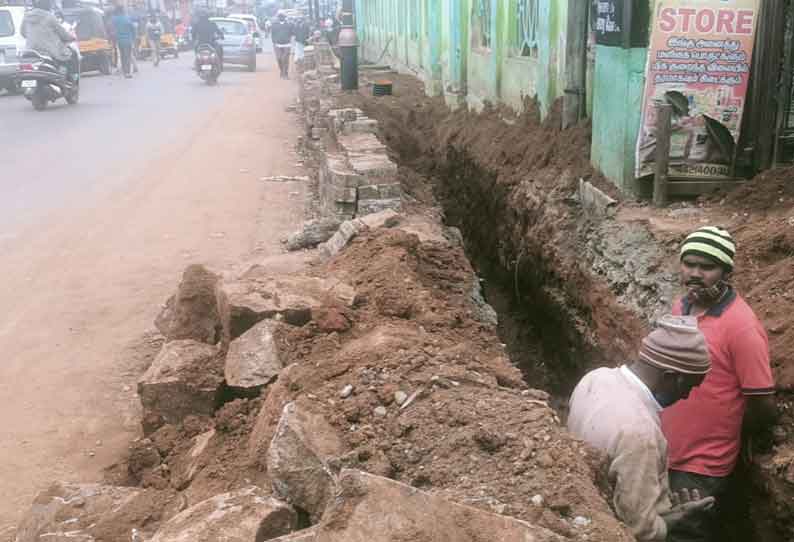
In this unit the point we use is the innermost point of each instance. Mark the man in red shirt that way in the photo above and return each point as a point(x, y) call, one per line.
point(704, 432)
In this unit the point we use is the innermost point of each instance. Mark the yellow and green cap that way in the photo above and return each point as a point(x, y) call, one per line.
point(712, 242)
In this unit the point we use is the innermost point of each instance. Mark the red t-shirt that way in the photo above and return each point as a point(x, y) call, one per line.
point(704, 431)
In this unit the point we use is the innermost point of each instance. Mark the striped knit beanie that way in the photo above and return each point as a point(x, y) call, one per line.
point(711, 242)
point(677, 345)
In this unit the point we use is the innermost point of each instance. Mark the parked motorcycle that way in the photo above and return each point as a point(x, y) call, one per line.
point(208, 64)
point(43, 80)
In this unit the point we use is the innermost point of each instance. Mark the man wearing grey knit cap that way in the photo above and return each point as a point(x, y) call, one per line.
point(617, 411)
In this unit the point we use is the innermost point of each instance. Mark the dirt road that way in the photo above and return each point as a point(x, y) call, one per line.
point(82, 282)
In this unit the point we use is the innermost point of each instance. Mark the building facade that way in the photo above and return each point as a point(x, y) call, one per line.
point(505, 51)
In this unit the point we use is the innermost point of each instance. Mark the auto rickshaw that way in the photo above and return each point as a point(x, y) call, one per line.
point(92, 38)
point(168, 41)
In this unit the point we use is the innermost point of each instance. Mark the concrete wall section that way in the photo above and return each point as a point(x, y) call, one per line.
point(617, 95)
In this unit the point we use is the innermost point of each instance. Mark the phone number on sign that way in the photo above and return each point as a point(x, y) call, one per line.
point(701, 170)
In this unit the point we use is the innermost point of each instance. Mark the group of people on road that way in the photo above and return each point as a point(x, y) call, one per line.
point(125, 32)
point(47, 33)
point(282, 33)
point(673, 421)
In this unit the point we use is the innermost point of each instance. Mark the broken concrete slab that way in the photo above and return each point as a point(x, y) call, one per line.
point(361, 143)
point(376, 168)
point(198, 310)
point(312, 233)
point(298, 457)
point(369, 206)
point(360, 126)
point(184, 379)
point(335, 170)
point(385, 218)
point(346, 232)
point(258, 296)
point(68, 511)
point(370, 508)
point(246, 515)
point(594, 200)
point(380, 191)
point(253, 359)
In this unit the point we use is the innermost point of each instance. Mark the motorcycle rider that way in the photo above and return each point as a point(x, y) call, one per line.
point(154, 29)
point(45, 35)
point(207, 32)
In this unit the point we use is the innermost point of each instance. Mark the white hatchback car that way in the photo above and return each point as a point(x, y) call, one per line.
point(253, 26)
point(11, 42)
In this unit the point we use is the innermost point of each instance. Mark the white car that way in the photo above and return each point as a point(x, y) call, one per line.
point(253, 26)
point(11, 41)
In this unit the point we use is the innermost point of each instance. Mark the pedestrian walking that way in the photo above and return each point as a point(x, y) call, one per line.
point(281, 34)
point(617, 412)
point(154, 29)
point(125, 37)
point(705, 431)
point(302, 34)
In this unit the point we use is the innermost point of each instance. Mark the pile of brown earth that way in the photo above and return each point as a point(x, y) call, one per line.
point(368, 399)
point(507, 181)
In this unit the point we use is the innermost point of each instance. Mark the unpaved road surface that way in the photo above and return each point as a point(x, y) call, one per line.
point(103, 205)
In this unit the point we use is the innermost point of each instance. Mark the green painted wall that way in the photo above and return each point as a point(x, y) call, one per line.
point(403, 28)
point(439, 41)
point(617, 93)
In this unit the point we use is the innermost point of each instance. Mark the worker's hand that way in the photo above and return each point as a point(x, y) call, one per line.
point(684, 496)
point(685, 503)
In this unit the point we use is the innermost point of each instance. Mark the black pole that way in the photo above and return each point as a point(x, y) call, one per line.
point(348, 47)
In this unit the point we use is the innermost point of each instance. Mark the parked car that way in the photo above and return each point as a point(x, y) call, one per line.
point(253, 26)
point(11, 42)
point(238, 42)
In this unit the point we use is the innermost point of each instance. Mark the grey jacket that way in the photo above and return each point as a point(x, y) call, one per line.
point(45, 34)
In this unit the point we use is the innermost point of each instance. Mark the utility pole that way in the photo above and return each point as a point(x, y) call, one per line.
point(348, 47)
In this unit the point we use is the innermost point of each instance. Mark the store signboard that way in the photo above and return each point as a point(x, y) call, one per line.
point(699, 62)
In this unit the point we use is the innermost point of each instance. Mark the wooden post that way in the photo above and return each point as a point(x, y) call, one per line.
point(663, 115)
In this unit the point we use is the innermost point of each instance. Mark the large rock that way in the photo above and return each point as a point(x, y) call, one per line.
point(185, 470)
point(257, 296)
point(67, 512)
point(297, 461)
point(370, 508)
point(278, 395)
point(253, 360)
point(183, 380)
point(245, 515)
point(198, 310)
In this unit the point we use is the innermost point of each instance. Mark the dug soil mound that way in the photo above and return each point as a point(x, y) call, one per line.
point(508, 182)
point(419, 389)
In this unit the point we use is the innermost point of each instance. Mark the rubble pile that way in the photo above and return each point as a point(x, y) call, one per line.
point(367, 398)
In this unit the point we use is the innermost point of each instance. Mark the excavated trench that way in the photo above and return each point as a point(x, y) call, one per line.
point(507, 186)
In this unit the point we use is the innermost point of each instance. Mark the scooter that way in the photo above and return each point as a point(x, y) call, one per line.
point(43, 80)
point(208, 64)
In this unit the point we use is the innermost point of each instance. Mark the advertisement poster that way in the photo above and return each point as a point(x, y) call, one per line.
point(699, 62)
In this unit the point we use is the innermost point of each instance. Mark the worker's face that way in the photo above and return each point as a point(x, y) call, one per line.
point(676, 386)
point(700, 272)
